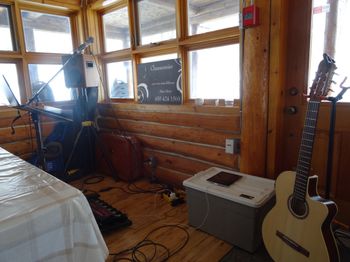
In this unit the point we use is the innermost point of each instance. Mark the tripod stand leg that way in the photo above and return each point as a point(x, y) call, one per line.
point(105, 155)
point(39, 141)
point(73, 150)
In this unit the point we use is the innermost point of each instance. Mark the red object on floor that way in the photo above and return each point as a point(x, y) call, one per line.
point(125, 153)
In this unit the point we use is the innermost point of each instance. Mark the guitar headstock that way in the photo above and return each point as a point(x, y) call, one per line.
point(321, 84)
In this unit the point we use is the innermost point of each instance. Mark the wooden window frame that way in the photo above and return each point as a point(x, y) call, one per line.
point(22, 58)
point(181, 45)
point(13, 31)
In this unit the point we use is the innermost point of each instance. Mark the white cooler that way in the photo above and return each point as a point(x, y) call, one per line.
point(232, 213)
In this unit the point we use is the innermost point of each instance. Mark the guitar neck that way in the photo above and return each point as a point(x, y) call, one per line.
point(305, 151)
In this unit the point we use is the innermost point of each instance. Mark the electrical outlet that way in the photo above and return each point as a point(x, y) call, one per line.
point(233, 146)
point(229, 146)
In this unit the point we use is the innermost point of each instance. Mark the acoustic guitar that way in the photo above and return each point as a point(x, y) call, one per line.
point(298, 227)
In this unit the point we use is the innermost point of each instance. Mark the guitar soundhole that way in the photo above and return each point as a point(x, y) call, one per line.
point(297, 207)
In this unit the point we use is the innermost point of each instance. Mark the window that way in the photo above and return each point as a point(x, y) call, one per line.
point(46, 33)
point(210, 62)
point(9, 70)
point(333, 41)
point(158, 58)
point(56, 90)
point(120, 79)
point(157, 20)
point(214, 73)
point(207, 16)
point(116, 30)
point(6, 34)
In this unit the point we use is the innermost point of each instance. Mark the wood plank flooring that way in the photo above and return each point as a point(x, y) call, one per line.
point(148, 212)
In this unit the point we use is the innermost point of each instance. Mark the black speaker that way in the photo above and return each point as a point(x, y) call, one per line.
point(80, 72)
point(74, 71)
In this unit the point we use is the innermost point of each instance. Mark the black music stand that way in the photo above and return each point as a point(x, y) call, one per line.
point(333, 101)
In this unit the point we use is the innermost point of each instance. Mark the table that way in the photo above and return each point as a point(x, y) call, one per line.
point(44, 219)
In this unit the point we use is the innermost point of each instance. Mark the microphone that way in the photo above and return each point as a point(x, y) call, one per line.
point(81, 48)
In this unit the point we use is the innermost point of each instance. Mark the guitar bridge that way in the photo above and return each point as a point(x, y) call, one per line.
point(292, 244)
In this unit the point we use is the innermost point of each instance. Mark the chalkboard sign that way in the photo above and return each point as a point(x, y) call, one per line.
point(160, 82)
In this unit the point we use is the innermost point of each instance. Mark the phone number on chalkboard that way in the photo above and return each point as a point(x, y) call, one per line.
point(167, 99)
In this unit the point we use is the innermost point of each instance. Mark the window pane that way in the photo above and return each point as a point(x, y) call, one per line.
point(207, 15)
point(116, 30)
point(47, 33)
point(214, 73)
point(5, 30)
point(157, 20)
point(120, 83)
point(9, 70)
point(158, 58)
point(56, 90)
point(335, 41)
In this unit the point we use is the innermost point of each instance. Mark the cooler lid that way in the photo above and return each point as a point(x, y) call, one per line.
point(248, 190)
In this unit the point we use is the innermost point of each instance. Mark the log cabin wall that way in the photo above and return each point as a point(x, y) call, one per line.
point(21, 142)
point(185, 139)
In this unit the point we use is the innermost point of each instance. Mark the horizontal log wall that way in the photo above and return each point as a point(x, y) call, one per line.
point(185, 139)
point(23, 142)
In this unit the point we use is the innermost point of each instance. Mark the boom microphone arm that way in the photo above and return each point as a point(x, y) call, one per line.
point(76, 52)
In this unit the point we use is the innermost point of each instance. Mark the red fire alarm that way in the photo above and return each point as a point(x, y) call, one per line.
point(250, 16)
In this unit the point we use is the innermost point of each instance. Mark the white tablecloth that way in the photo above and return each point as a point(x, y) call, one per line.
point(43, 218)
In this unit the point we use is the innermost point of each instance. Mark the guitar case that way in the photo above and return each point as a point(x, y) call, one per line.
point(124, 153)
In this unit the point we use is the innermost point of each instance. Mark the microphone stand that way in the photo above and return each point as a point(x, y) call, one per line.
point(78, 51)
point(333, 101)
point(35, 114)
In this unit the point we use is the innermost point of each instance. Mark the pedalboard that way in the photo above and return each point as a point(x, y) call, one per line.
point(107, 217)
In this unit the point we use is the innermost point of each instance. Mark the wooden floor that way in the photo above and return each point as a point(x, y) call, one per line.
point(148, 212)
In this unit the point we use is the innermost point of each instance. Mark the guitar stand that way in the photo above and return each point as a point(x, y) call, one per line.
point(334, 101)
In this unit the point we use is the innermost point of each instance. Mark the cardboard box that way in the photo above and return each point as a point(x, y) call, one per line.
point(232, 213)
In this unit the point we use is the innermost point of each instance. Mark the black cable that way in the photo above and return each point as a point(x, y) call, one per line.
point(93, 180)
point(13, 122)
point(89, 181)
point(147, 242)
point(177, 226)
point(106, 189)
point(137, 190)
point(30, 132)
point(129, 191)
point(123, 258)
point(145, 191)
